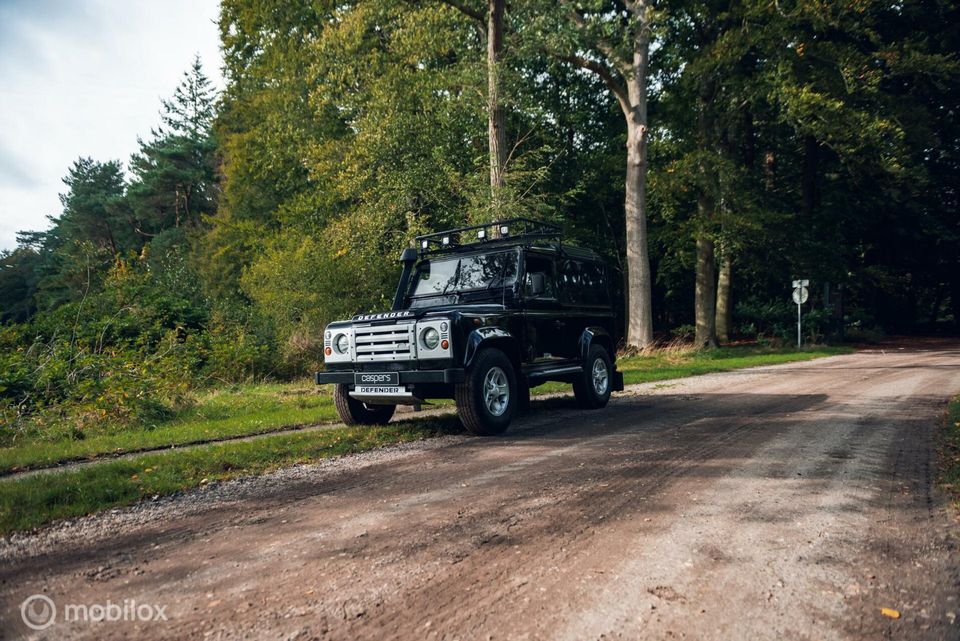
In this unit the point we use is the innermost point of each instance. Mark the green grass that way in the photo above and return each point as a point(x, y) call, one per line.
point(245, 410)
point(240, 410)
point(950, 452)
point(38, 499)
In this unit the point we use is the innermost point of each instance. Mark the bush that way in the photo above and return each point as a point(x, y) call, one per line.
point(128, 354)
point(230, 352)
point(684, 332)
point(302, 283)
point(766, 320)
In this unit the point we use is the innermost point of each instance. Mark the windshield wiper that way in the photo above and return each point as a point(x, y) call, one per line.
point(456, 277)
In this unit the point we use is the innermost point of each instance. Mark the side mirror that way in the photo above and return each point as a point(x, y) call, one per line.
point(536, 284)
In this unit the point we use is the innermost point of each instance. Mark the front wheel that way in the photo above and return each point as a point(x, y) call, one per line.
point(592, 388)
point(354, 412)
point(487, 399)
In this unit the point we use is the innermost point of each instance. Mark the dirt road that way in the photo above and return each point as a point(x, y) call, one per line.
point(790, 502)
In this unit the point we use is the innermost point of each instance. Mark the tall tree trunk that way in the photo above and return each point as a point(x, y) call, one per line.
point(627, 80)
point(640, 304)
point(495, 117)
point(705, 294)
point(724, 316)
point(496, 127)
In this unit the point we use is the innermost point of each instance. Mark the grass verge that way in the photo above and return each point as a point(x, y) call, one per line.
point(246, 410)
point(950, 452)
point(229, 412)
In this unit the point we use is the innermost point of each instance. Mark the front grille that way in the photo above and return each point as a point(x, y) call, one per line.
point(384, 343)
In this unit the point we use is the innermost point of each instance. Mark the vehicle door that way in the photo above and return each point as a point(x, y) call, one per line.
point(575, 296)
point(544, 325)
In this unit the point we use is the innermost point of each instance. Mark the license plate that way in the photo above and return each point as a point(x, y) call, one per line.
point(379, 390)
point(376, 378)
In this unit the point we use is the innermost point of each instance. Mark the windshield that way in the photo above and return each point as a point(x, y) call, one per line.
point(468, 273)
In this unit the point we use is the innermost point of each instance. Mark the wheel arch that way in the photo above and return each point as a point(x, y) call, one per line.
point(495, 337)
point(596, 336)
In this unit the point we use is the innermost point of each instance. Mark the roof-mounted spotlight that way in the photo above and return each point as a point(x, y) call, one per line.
point(424, 244)
point(445, 241)
point(504, 231)
point(481, 234)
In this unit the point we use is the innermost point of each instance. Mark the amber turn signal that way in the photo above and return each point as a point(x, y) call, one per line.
point(328, 351)
point(444, 343)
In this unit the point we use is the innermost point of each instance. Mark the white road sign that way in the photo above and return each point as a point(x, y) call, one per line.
point(800, 296)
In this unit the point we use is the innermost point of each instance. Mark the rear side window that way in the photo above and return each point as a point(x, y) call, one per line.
point(583, 283)
point(570, 283)
point(594, 280)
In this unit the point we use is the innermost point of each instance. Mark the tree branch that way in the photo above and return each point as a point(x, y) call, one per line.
point(602, 44)
point(479, 16)
point(618, 90)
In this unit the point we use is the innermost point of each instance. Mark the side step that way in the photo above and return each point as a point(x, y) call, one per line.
point(555, 371)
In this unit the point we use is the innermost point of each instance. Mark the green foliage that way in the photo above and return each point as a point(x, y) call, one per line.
point(767, 319)
point(126, 354)
point(264, 127)
point(19, 277)
point(302, 283)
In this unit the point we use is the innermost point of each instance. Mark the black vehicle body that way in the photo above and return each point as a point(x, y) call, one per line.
point(545, 309)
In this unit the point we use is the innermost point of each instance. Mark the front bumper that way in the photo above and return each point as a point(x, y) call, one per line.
point(407, 377)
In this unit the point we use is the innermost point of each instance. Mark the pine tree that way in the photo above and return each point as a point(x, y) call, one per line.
point(175, 172)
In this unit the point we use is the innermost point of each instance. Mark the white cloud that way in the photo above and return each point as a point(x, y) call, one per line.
point(85, 79)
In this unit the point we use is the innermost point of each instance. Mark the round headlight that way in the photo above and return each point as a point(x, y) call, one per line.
point(430, 338)
point(342, 343)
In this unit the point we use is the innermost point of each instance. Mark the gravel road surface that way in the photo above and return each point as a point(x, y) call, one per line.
point(789, 502)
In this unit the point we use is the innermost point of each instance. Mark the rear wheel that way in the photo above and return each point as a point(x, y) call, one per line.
point(487, 399)
point(592, 388)
point(354, 412)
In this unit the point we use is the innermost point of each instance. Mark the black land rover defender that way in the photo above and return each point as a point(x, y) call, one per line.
point(480, 322)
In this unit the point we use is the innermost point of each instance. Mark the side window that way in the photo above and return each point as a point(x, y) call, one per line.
point(540, 282)
point(571, 283)
point(594, 284)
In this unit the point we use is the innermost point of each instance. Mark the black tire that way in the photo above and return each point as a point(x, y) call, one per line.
point(593, 392)
point(476, 414)
point(354, 412)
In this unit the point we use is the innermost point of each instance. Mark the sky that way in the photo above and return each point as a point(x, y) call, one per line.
point(85, 78)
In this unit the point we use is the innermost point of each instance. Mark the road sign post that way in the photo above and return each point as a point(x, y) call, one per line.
point(800, 296)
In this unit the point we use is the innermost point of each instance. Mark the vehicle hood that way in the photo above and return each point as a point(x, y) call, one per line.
point(424, 312)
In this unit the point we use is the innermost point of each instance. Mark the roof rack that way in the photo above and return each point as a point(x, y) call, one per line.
point(510, 230)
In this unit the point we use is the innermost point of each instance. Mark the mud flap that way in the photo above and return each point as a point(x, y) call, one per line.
point(617, 382)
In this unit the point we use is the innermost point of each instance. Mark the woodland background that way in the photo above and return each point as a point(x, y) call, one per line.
point(793, 139)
